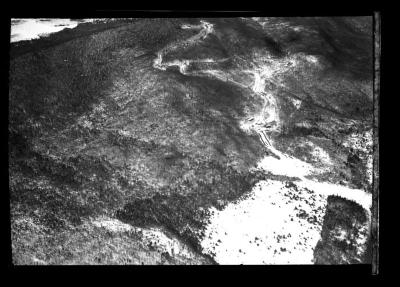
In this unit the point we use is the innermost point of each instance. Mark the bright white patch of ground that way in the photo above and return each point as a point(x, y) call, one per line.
point(264, 228)
point(285, 166)
point(296, 103)
point(275, 223)
point(28, 29)
point(311, 59)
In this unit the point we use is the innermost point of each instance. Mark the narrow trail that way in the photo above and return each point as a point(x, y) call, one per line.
point(204, 28)
point(277, 223)
point(265, 227)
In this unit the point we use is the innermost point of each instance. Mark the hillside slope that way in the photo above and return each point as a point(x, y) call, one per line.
point(124, 140)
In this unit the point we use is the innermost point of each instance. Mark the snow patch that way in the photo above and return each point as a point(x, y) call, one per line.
point(297, 103)
point(287, 166)
point(28, 29)
point(275, 223)
point(264, 228)
point(311, 59)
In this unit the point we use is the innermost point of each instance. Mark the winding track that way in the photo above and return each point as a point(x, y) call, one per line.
point(205, 29)
point(268, 216)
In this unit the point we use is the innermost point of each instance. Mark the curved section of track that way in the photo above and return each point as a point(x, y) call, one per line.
point(264, 227)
